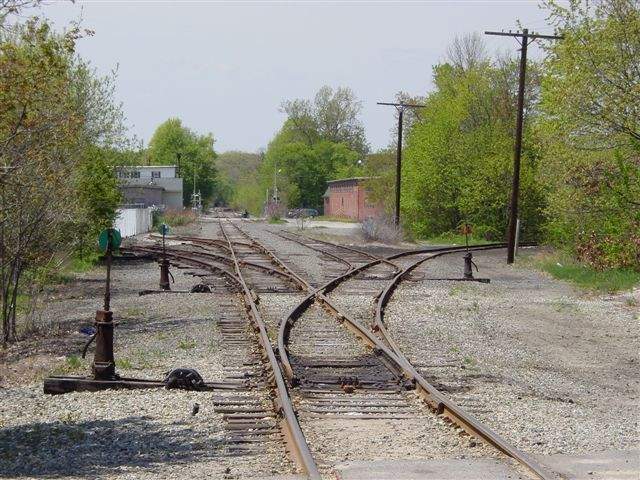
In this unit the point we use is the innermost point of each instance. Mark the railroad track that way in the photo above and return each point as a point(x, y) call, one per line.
point(329, 375)
point(384, 350)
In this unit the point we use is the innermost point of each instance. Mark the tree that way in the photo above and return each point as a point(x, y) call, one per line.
point(457, 164)
point(238, 172)
point(590, 132)
point(174, 144)
point(333, 116)
point(60, 134)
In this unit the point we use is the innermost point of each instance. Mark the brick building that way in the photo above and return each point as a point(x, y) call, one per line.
point(348, 198)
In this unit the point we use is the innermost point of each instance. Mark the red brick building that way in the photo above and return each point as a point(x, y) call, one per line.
point(348, 198)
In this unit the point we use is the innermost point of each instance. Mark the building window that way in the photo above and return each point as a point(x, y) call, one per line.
point(155, 174)
point(135, 174)
point(342, 201)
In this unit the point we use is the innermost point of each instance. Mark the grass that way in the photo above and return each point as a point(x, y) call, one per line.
point(124, 363)
point(175, 218)
point(452, 238)
point(276, 221)
point(187, 344)
point(71, 364)
point(562, 267)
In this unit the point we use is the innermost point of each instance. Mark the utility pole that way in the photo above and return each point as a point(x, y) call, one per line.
point(523, 38)
point(400, 107)
point(275, 182)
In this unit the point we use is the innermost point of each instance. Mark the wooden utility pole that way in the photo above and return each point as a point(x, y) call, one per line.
point(523, 38)
point(400, 107)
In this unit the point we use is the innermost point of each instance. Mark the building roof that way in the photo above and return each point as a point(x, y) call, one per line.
point(356, 179)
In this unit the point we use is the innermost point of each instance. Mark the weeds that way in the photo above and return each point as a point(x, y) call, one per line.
point(71, 364)
point(611, 280)
point(381, 229)
point(187, 344)
point(124, 363)
point(175, 218)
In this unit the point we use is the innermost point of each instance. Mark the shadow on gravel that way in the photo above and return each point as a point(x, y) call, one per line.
point(63, 449)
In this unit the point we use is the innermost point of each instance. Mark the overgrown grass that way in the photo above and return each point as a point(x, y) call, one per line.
point(275, 220)
point(175, 218)
point(453, 238)
point(562, 267)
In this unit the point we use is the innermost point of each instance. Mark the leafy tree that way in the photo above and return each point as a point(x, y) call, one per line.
point(332, 116)
point(457, 161)
point(590, 131)
point(56, 184)
point(174, 144)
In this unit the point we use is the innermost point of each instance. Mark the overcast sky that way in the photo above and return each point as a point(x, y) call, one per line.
point(225, 67)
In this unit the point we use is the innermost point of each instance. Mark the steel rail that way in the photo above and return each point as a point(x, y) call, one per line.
point(220, 258)
point(344, 247)
point(323, 252)
point(431, 395)
point(186, 259)
point(290, 425)
point(391, 352)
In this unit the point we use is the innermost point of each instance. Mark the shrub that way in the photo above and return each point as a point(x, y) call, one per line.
point(381, 229)
point(175, 218)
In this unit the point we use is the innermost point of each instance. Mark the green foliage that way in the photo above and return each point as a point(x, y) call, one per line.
point(305, 169)
point(58, 126)
point(276, 220)
point(611, 280)
point(458, 160)
point(333, 116)
point(239, 179)
point(590, 133)
point(454, 238)
point(174, 144)
point(174, 218)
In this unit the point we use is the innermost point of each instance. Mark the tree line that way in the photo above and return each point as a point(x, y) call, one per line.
point(580, 174)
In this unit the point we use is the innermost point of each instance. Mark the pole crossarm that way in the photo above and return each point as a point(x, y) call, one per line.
point(402, 105)
point(532, 35)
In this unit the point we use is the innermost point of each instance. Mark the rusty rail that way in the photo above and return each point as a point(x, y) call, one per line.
point(390, 351)
point(336, 245)
point(290, 425)
point(434, 398)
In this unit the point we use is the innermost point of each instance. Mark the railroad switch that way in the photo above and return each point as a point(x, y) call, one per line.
point(468, 269)
point(104, 365)
point(468, 263)
point(164, 274)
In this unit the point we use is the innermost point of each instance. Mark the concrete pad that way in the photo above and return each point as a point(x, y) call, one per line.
point(612, 465)
point(451, 469)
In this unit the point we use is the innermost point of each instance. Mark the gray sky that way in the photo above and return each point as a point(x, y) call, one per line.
point(225, 67)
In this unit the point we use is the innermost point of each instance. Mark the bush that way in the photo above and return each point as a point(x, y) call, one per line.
point(381, 229)
point(175, 218)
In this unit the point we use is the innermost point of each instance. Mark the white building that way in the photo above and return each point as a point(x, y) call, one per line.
point(151, 185)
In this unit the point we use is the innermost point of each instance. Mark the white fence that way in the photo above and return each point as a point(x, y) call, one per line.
point(132, 221)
